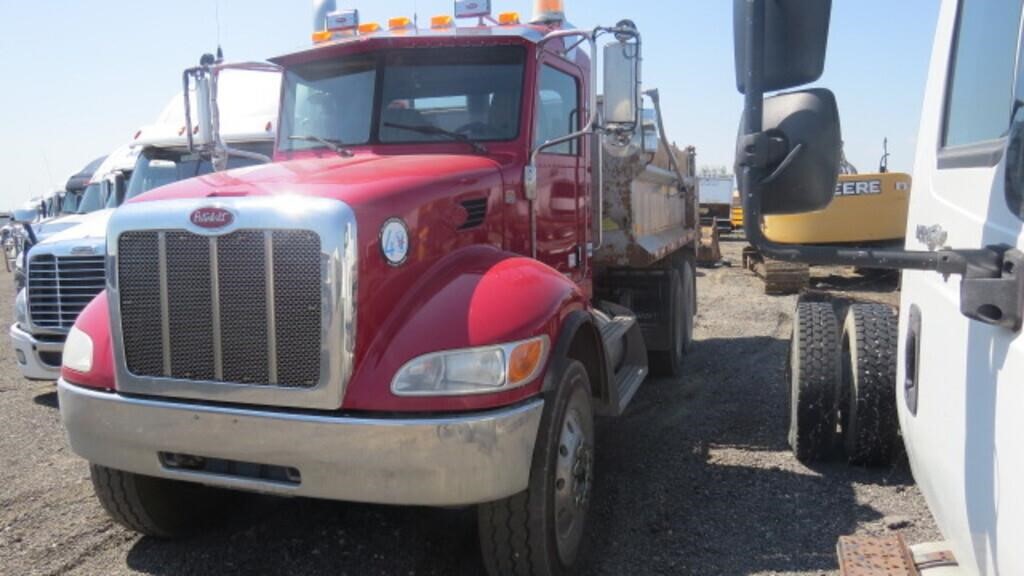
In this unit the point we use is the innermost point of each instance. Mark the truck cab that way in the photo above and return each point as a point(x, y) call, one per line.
point(455, 263)
point(954, 381)
point(66, 269)
point(959, 377)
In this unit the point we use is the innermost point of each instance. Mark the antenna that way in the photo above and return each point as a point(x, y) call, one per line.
point(216, 8)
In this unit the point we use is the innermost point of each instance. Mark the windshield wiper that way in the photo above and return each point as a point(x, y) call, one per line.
point(435, 131)
point(336, 146)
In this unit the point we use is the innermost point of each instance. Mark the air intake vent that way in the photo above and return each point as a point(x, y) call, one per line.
point(476, 211)
point(242, 308)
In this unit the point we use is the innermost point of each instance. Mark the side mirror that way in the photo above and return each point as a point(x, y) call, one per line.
point(25, 215)
point(806, 143)
point(795, 41)
point(203, 102)
point(120, 187)
point(621, 102)
point(204, 110)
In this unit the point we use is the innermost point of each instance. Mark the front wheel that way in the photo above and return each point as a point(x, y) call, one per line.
point(540, 531)
point(155, 506)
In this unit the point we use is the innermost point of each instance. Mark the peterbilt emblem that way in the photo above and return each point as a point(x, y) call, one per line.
point(211, 217)
point(83, 251)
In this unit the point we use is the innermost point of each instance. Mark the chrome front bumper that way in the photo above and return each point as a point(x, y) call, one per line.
point(452, 461)
point(27, 349)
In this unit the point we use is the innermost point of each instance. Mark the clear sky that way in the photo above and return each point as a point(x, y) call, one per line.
point(80, 77)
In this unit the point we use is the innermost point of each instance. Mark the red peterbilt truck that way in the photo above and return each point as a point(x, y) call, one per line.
point(458, 258)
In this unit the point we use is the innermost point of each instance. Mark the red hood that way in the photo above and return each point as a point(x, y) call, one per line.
point(353, 180)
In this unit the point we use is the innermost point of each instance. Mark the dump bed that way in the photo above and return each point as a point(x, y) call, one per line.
point(649, 202)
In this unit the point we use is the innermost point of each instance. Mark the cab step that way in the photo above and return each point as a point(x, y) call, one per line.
point(625, 357)
point(889, 555)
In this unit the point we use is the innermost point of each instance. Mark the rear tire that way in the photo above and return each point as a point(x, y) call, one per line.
point(539, 532)
point(682, 310)
point(867, 390)
point(155, 506)
point(814, 370)
point(688, 275)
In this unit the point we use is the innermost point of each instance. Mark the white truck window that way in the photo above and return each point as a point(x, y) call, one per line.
point(980, 97)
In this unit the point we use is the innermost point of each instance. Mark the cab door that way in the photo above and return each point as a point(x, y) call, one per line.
point(559, 112)
point(961, 381)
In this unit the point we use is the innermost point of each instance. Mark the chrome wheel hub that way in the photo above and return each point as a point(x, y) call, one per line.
point(574, 476)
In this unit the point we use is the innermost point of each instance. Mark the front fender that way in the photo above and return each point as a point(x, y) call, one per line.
point(94, 321)
point(475, 296)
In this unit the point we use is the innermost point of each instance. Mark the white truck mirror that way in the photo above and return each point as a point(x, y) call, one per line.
point(25, 215)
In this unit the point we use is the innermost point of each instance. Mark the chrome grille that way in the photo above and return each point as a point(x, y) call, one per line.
point(59, 287)
point(242, 308)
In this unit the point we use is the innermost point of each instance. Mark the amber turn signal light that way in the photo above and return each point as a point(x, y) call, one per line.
point(524, 362)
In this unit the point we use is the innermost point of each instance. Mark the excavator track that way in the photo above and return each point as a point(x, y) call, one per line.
point(780, 278)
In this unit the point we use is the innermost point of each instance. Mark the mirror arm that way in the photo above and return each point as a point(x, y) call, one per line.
point(186, 86)
point(784, 165)
point(30, 234)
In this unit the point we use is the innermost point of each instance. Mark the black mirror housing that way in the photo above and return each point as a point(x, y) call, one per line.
point(795, 42)
point(804, 127)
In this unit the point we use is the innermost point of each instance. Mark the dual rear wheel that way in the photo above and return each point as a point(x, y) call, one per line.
point(682, 309)
point(842, 384)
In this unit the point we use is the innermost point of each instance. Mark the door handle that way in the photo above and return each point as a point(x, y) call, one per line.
point(912, 365)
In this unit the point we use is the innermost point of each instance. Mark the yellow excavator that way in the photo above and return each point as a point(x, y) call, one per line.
point(867, 210)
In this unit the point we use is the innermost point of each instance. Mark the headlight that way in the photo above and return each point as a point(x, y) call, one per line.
point(472, 371)
point(21, 308)
point(78, 351)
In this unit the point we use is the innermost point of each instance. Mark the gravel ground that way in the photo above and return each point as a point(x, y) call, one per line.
point(696, 478)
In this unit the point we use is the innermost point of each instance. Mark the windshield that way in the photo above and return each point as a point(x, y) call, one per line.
point(404, 96)
point(71, 202)
point(159, 167)
point(92, 199)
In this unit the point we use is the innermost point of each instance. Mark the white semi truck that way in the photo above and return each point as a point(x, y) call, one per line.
point(945, 370)
point(67, 270)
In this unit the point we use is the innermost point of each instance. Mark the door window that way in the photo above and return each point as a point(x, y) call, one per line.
point(558, 111)
point(980, 97)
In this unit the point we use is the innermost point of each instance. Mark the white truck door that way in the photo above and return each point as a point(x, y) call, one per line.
point(961, 382)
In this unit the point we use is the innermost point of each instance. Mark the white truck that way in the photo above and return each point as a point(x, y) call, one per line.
point(948, 366)
point(66, 270)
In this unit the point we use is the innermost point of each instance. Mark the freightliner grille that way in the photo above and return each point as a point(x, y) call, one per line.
point(59, 287)
point(242, 308)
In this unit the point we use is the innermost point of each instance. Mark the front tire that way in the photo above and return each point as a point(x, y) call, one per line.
point(540, 532)
point(155, 506)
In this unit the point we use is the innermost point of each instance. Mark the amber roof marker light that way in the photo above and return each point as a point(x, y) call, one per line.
point(548, 11)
